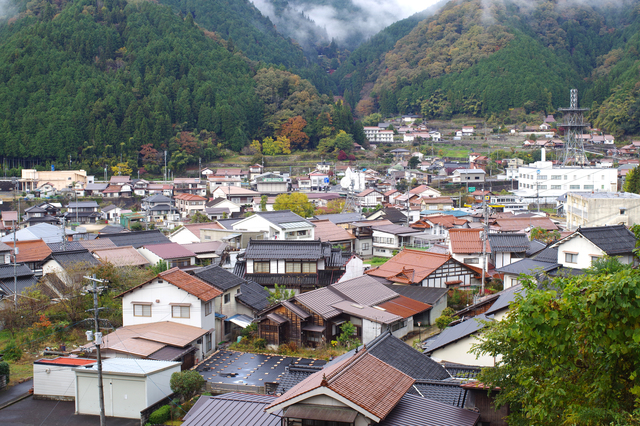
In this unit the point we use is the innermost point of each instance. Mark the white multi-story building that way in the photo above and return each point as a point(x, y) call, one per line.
point(541, 180)
point(375, 134)
point(587, 209)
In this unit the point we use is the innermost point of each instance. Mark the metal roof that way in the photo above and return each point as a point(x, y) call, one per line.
point(294, 225)
point(455, 333)
point(528, 267)
point(613, 240)
point(340, 217)
point(428, 295)
point(138, 367)
point(70, 258)
point(219, 277)
point(169, 250)
point(367, 312)
point(364, 290)
point(137, 239)
point(446, 391)
point(413, 410)
point(232, 409)
point(240, 320)
point(506, 298)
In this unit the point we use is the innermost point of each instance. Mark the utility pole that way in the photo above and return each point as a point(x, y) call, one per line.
point(98, 340)
point(15, 251)
point(484, 240)
point(165, 166)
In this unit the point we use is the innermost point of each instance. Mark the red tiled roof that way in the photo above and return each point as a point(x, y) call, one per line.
point(391, 192)
point(445, 220)
point(422, 188)
point(184, 281)
point(404, 307)
point(190, 197)
point(409, 266)
point(467, 241)
point(32, 251)
point(363, 379)
point(112, 188)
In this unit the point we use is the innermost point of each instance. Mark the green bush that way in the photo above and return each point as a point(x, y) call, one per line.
point(12, 351)
point(5, 370)
point(186, 383)
point(260, 343)
point(160, 416)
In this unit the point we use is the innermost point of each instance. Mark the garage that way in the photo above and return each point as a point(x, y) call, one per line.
point(130, 386)
point(55, 378)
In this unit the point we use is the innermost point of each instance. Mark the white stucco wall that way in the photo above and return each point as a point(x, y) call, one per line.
point(583, 247)
point(370, 330)
point(354, 269)
point(184, 236)
point(459, 352)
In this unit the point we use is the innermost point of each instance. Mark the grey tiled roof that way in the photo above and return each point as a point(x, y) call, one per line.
point(294, 375)
point(514, 243)
point(549, 255)
point(253, 295)
point(218, 277)
point(82, 204)
point(398, 354)
point(413, 410)
point(282, 216)
point(113, 229)
point(613, 240)
point(69, 246)
point(455, 333)
point(528, 267)
point(283, 249)
point(448, 391)
point(6, 271)
point(393, 215)
point(506, 297)
point(68, 258)
point(23, 282)
point(158, 198)
point(137, 239)
point(228, 223)
point(535, 246)
point(461, 371)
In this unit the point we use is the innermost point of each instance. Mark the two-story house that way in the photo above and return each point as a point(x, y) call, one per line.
point(82, 212)
point(272, 183)
point(173, 296)
point(176, 255)
point(239, 196)
point(278, 225)
point(299, 265)
point(239, 302)
point(188, 204)
point(193, 186)
point(390, 238)
point(369, 198)
point(159, 207)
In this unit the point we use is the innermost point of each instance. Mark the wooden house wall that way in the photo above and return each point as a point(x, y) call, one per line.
point(269, 331)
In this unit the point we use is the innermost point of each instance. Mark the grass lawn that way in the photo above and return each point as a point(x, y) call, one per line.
point(376, 261)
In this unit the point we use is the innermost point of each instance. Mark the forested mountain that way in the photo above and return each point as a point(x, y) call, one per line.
point(128, 80)
point(481, 58)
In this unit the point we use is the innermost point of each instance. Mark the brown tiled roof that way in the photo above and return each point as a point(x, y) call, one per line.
point(32, 251)
point(363, 379)
point(112, 188)
point(121, 256)
point(327, 231)
point(195, 228)
point(184, 281)
point(404, 306)
point(409, 266)
point(467, 241)
point(518, 224)
point(10, 215)
point(420, 189)
point(190, 197)
point(436, 200)
point(446, 220)
point(390, 192)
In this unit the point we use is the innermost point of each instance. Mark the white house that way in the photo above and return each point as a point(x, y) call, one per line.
point(176, 255)
point(369, 198)
point(277, 225)
point(468, 175)
point(586, 245)
point(174, 296)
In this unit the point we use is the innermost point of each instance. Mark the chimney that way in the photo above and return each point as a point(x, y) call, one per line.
point(543, 155)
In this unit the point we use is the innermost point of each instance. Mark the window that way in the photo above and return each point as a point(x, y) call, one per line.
point(300, 267)
point(542, 186)
point(574, 186)
point(594, 259)
point(398, 325)
point(542, 177)
point(227, 297)
point(209, 341)
point(556, 186)
point(227, 327)
point(571, 257)
point(623, 211)
point(588, 187)
point(180, 311)
point(261, 267)
point(364, 246)
point(208, 308)
point(565, 177)
point(477, 177)
point(556, 177)
point(471, 260)
point(141, 310)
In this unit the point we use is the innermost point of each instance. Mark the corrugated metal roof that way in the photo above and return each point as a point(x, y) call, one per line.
point(171, 353)
point(364, 290)
point(169, 250)
point(296, 309)
point(413, 410)
point(130, 366)
point(404, 307)
point(428, 295)
point(232, 409)
point(367, 312)
point(457, 332)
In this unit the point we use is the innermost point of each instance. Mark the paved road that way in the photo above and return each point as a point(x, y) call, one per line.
point(14, 392)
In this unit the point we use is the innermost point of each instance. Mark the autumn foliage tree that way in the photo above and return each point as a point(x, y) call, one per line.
point(292, 129)
point(297, 202)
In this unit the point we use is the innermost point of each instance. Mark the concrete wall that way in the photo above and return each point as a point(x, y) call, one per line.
point(588, 212)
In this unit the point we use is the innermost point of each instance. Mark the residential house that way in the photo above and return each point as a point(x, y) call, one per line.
point(425, 191)
point(255, 170)
point(390, 238)
point(281, 225)
point(173, 296)
point(316, 316)
point(439, 224)
point(233, 311)
point(174, 254)
point(298, 265)
point(14, 281)
point(70, 266)
point(314, 181)
point(111, 213)
point(140, 187)
point(42, 231)
point(33, 253)
point(454, 344)
point(190, 232)
point(39, 214)
point(121, 256)
point(369, 198)
point(333, 234)
point(234, 172)
point(436, 203)
point(390, 195)
point(132, 219)
point(523, 223)
point(116, 191)
point(507, 248)
point(239, 409)
point(545, 262)
point(343, 220)
point(426, 269)
point(83, 212)
point(470, 176)
point(465, 245)
point(136, 239)
point(322, 199)
point(323, 166)
point(216, 181)
point(194, 186)
point(206, 171)
point(189, 204)
point(436, 297)
point(392, 214)
point(46, 190)
point(586, 245)
point(363, 231)
point(5, 253)
point(209, 252)
point(239, 196)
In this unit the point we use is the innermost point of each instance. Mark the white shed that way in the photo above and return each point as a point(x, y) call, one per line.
point(55, 378)
point(130, 386)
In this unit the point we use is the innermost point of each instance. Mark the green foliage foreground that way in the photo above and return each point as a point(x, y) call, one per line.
point(570, 352)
